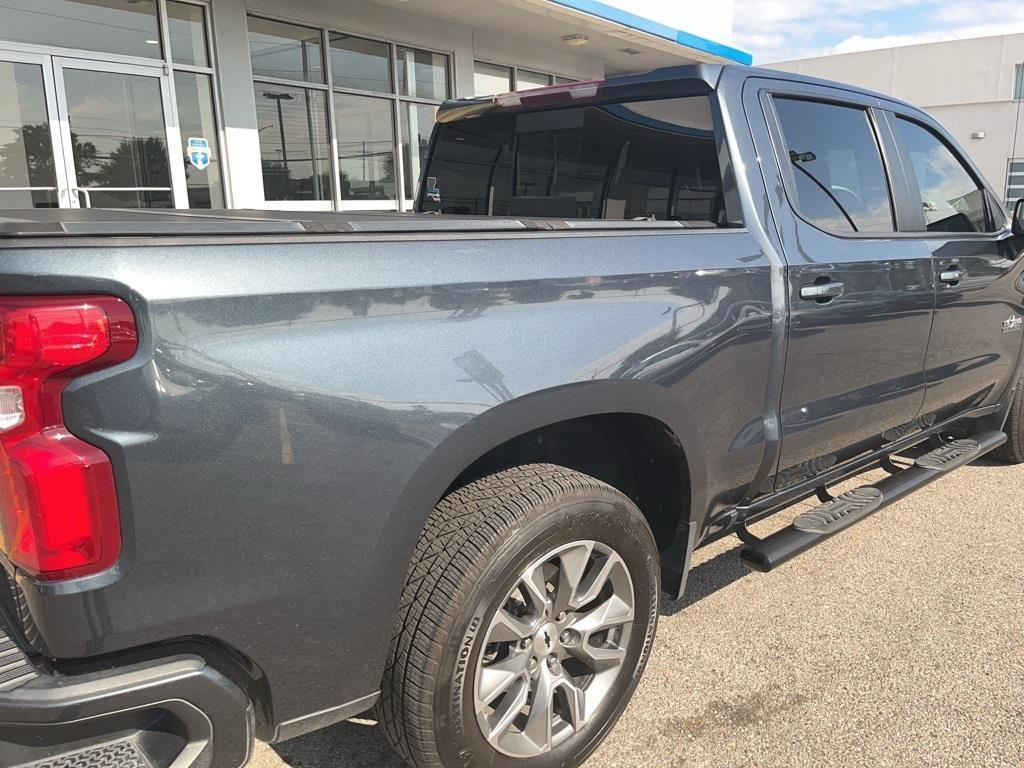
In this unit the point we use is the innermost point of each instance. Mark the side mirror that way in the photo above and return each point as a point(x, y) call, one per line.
point(1018, 218)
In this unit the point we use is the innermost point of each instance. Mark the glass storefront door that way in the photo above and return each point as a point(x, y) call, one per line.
point(78, 133)
point(109, 103)
point(115, 136)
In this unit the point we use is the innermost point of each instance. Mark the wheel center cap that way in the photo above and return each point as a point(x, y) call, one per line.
point(546, 640)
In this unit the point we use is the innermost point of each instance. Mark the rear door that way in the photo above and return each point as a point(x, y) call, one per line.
point(860, 296)
point(976, 336)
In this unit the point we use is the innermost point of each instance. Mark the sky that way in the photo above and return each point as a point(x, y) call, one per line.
point(780, 30)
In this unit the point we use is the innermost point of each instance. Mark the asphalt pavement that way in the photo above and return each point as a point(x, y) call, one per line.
point(898, 643)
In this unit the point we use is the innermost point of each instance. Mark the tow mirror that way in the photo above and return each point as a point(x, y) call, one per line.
point(1018, 218)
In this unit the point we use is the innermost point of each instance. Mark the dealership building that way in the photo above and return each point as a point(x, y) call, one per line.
point(974, 87)
point(319, 105)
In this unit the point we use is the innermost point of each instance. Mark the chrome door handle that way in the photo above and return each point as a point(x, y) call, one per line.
point(822, 291)
point(952, 276)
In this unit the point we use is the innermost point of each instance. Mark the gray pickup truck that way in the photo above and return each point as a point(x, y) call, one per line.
point(263, 472)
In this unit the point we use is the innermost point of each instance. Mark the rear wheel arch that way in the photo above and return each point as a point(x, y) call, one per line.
point(480, 441)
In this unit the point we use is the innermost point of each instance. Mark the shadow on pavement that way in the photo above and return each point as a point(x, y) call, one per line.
point(706, 579)
point(353, 744)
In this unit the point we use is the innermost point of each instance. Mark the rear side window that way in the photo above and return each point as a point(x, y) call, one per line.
point(953, 201)
point(838, 180)
point(642, 160)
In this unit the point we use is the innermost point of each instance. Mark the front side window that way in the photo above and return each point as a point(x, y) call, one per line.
point(654, 160)
point(952, 200)
point(838, 180)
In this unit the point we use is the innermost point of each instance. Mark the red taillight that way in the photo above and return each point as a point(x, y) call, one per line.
point(58, 506)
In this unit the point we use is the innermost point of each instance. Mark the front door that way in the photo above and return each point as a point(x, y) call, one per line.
point(979, 318)
point(115, 132)
point(860, 298)
point(82, 133)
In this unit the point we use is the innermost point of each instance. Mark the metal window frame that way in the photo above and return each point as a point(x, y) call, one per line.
point(400, 203)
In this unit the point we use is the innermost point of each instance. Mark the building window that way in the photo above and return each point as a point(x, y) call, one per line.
point(490, 79)
point(344, 121)
point(124, 27)
point(1018, 83)
point(1014, 182)
point(195, 100)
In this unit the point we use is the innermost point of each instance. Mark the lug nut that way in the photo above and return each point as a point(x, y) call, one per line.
point(553, 664)
point(524, 643)
point(560, 617)
point(532, 666)
point(568, 637)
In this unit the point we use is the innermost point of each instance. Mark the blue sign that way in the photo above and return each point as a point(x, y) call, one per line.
point(199, 153)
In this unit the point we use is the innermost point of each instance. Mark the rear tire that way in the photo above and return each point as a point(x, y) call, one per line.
point(1012, 451)
point(515, 578)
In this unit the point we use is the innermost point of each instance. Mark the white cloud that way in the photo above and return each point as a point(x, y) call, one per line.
point(860, 43)
point(776, 30)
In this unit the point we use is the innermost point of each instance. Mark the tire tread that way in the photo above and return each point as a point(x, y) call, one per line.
point(460, 536)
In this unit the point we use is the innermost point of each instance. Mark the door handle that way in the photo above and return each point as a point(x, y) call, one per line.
point(822, 291)
point(952, 276)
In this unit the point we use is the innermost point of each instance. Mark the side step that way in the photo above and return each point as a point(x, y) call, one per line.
point(817, 525)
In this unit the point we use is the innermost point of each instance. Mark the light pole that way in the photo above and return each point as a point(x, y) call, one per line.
point(279, 97)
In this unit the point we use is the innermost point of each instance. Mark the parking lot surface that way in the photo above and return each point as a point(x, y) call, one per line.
point(898, 643)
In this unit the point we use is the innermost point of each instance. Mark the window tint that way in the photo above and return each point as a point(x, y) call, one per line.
point(838, 177)
point(952, 199)
point(654, 159)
